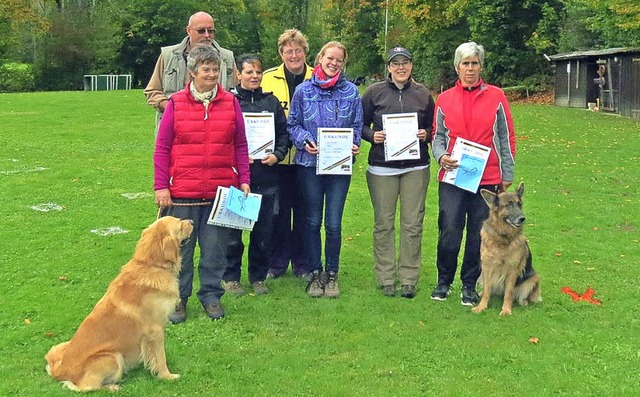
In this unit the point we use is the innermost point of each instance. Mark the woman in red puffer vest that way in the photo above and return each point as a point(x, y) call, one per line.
point(201, 145)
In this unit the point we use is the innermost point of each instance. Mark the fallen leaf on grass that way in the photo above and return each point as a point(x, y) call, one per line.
point(62, 278)
point(590, 269)
point(558, 253)
point(534, 340)
point(421, 322)
point(49, 334)
point(27, 321)
point(596, 228)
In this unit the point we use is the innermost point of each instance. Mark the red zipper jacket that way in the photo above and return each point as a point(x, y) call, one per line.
point(490, 124)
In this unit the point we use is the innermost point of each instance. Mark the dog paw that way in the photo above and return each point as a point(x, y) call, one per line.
point(170, 376)
point(113, 388)
point(478, 309)
point(505, 312)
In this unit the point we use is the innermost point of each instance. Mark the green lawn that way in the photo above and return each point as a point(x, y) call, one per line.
point(82, 151)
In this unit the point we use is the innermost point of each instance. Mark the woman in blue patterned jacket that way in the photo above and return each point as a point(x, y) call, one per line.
point(325, 100)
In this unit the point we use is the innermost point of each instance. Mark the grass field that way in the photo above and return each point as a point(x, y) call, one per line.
point(83, 160)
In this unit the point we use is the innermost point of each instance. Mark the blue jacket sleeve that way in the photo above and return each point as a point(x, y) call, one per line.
point(295, 123)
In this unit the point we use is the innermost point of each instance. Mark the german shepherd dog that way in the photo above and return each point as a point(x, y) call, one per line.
point(504, 253)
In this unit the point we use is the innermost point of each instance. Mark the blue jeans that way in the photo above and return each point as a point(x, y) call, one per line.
point(213, 241)
point(328, 193)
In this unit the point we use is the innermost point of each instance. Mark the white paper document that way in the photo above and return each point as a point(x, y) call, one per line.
point(472, 159)
point(334, 151)
point(221, 216)
point(401, 136)
point(261, 131)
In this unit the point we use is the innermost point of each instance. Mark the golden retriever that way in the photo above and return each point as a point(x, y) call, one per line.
point(505, 255)
point(126, 327)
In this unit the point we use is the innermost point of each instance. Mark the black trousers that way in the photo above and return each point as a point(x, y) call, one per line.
point(289, 230)
point(260, 242)
point(459, 208)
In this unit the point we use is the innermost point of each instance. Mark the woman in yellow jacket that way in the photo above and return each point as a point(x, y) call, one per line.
point(282, 81)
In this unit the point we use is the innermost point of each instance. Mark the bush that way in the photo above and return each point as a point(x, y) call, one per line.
point(17, 77)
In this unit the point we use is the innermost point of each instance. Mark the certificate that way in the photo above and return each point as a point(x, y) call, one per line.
point(261, 131)
point(334, 151)
point(221, 216)
point(246, 207)
point(401, 136)
point(472, 159)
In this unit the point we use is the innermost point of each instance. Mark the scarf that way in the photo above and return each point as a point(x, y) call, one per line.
point(204, 97)
point(322, 79)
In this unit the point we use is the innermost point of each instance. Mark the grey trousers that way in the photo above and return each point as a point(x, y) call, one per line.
point(213, 241)
point(410, 189)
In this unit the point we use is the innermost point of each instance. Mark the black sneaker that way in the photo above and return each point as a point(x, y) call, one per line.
point(180, 314)
point(441, 292)
point(214, 310)
point(408, 291)
point(468, 296)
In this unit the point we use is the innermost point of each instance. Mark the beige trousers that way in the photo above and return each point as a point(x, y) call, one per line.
point(410, 189)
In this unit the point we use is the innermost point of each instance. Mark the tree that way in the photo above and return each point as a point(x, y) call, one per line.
point(20, 25)
point(610, 23)
point(359, 25)
point(514, 34)
point(65, 51)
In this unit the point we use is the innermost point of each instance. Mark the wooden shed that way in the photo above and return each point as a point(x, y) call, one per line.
point(609, 78)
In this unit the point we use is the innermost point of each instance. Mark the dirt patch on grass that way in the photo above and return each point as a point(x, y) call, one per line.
point(543, 98)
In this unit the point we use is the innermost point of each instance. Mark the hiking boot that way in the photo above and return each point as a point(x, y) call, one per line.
point(214, 310)
point(408, 291)
point(331, 289)
point(441, 292)
point(315, 288)
point(468, 296)
point(233, 287)
point(180, 314)
point(388, 290)
point(259, 288)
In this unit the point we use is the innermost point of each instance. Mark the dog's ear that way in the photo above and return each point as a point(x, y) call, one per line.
point(489, 197)
point(170, 248)
point(520, 190)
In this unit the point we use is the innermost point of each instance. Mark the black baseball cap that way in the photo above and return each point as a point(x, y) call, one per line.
point(397, 51)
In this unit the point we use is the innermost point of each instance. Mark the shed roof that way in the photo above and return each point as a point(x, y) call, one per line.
point(594, 53)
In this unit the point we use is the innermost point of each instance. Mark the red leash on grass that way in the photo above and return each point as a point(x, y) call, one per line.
point(587, 296)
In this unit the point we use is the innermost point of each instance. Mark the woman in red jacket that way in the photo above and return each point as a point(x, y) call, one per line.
point(477, 112)
point(201, 145)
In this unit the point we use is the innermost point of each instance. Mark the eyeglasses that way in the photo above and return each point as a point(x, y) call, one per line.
point(396, 64)
point(298, 51)
point(203, 31)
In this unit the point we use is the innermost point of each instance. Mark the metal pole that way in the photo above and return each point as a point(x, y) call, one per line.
point(386, 25)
